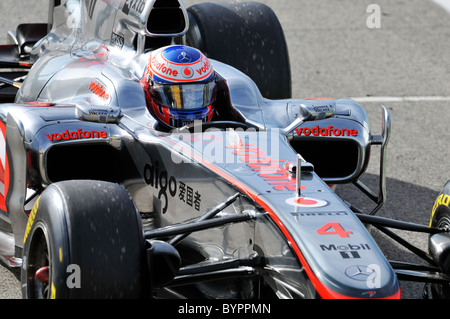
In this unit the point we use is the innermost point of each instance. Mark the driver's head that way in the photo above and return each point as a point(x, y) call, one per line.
point(180, 86)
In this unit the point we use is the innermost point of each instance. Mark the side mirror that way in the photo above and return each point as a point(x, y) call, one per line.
point(99, 114)
point(318, 111)
point(303, 112)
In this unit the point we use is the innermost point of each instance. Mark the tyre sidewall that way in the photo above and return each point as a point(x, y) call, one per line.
point(54, 227)
point(440, 214)
point(92, 226)
point(441, 209)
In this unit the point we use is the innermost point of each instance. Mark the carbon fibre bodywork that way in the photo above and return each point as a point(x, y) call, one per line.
point(81, 114)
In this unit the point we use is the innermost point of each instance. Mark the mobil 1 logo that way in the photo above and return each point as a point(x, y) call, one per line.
point(346, 251)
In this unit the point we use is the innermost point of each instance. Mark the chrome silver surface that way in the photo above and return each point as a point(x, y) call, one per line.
point(84, 91)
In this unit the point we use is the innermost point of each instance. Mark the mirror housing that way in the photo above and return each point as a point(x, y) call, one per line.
point(339, 145)
point(333, 135)
point(98, 113)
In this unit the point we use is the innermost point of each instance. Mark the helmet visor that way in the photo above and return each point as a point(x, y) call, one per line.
point(184, 97)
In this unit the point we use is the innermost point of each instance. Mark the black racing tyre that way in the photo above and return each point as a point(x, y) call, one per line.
point(83, 239)
point(440, 218)
point(247, 36)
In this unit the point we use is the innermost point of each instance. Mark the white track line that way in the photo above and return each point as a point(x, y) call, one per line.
point(385, 99)
point(445, 4)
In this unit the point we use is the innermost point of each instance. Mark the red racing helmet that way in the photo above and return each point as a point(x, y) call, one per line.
point(180, 86)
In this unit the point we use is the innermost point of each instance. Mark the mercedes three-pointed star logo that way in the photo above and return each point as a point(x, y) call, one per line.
point(360, 272)
point(184, 58)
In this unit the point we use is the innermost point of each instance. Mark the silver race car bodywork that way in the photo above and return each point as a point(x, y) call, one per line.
point(267, 165)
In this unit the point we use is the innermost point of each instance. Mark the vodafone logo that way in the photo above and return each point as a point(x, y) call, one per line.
point(79, 134)
point(306, 202)
point(325, 131)
point(187, 73)
point(179, 64)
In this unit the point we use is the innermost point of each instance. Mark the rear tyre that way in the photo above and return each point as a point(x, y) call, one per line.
point(441, 218)
point(83, 240)
point(247, 36)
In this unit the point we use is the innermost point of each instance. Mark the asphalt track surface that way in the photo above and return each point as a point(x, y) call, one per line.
point(339, 49)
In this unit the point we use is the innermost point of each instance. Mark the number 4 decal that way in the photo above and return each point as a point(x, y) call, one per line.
point(333, 229)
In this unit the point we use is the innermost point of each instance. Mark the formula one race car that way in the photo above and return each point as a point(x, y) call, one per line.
point(153, 151)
